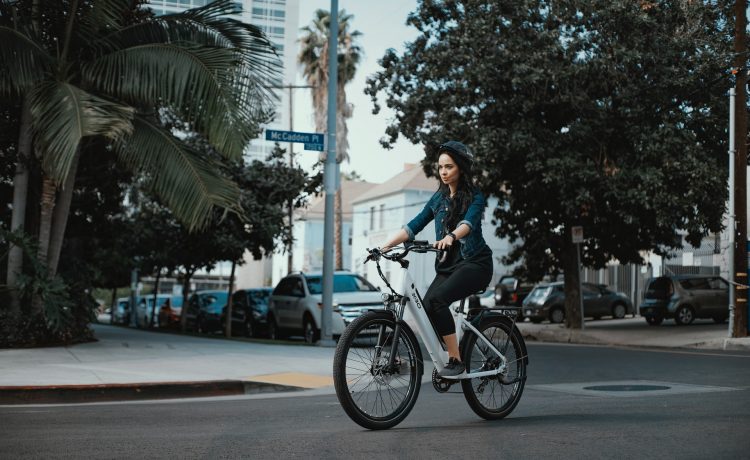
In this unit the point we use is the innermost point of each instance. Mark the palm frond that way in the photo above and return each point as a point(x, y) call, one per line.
point(187, 180)
point(201, 83)
point(63, 114)
point(23, 60)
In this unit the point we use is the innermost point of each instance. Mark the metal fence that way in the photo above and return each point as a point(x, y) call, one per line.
point(629, 279)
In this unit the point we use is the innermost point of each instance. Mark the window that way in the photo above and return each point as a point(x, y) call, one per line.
point(695, 284)
point(372, 217)
point(382, 216)
point(718, 284)
point(659, 288)
point(341, 283)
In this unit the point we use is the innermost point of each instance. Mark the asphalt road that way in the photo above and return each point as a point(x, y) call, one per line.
point(705, 413)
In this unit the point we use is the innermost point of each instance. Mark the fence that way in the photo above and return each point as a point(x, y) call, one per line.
point(629, 279)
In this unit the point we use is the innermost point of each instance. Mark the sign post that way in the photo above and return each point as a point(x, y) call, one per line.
point(577, 235)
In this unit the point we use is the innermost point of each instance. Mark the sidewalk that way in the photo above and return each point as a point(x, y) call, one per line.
point(132, 364)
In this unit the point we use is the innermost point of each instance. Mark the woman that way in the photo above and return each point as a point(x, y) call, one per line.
point(457, 208)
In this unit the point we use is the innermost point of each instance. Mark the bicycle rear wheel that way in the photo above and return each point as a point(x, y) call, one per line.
point(375, 395)
point(496, 396)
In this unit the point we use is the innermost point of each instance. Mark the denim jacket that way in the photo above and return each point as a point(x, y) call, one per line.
point(437, 208)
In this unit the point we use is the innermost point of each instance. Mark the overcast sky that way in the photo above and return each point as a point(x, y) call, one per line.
point(382, 24)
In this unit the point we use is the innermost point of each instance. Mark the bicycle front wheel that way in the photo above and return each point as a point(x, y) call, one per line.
point(494, 397)
point(374, 392)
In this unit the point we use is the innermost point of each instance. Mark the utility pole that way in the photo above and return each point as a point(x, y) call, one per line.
point(331, 180)
point(291, 87)
point(740, 171)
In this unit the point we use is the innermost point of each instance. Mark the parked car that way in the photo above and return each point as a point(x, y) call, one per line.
point(250, 311)
point(121, 311)
point(547, 302)
point(147, 315)
point(170, 312)
point(510, 290)
point(684, 298)
point(204, 311)
point(296, 303)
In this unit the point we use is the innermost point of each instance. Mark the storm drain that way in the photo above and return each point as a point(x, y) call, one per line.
point(628, 388)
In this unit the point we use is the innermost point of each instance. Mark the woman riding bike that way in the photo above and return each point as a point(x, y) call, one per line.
point(457, 208)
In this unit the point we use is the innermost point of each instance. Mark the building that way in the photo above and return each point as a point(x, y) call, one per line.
point(307, 251)
point(384, 209)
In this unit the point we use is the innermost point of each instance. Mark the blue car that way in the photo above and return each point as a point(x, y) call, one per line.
point(204, 311)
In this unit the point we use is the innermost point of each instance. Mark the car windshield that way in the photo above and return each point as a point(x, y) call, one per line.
point(659, 288)
point(214, 300)
point(260, 297)
point(341, 283)
point(539, 293)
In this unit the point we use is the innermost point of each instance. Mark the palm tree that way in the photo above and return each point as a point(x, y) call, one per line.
point(109, 68)
point(314, 59)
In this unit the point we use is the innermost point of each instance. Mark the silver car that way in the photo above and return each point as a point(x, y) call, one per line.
point(296, 304)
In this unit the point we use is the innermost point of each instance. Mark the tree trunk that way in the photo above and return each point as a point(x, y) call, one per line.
point(60, 217)
point(740, 322)
point(47, 203)
point(20, 193)
point(185, 296)
point(228, 319)
point(113, 306)
point(573, 317)
point(337, 227)
point(154, 311)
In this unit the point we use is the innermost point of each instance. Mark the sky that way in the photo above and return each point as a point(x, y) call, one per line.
point(383, 25)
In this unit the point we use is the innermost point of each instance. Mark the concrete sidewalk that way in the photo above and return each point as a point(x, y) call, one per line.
point(133, 364)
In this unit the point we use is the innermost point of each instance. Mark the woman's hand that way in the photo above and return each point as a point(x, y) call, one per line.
point(445, 244)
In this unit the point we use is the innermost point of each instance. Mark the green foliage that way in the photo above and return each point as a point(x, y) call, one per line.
point(66, 312)
point(606, 114)
point(110, 69)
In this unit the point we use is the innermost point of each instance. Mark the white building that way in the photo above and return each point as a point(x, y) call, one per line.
point(383, 210)
point(307, 251)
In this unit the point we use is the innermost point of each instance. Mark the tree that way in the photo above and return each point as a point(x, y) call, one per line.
point(109, 69)
point(314, 59)
point(267, 186)
point(604, 114)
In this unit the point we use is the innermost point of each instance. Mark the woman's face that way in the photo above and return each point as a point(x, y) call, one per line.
point(448, 169)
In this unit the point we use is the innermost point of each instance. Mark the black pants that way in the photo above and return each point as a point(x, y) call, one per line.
point(468, 277)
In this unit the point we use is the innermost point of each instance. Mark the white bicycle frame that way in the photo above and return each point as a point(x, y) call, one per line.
point(430, 339)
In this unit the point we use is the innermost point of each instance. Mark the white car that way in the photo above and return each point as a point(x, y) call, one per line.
point(296, 304)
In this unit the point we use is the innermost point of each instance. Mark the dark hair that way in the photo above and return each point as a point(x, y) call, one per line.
point(464, 189)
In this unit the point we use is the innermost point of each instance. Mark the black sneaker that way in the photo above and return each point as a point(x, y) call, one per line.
point(453, 368)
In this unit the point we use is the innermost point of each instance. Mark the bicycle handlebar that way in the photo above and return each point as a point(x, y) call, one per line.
point(421, 247)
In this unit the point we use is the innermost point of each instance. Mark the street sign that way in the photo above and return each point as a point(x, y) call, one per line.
point(317, 147)
point(577, 233)
point(293, 136)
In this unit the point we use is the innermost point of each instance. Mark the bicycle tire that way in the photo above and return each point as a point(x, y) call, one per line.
point(355, 371)
point(481, 392)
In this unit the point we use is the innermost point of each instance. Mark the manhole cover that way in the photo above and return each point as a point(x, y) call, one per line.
point(627, 388)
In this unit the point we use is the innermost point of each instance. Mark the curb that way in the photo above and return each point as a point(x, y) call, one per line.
point(69, 394)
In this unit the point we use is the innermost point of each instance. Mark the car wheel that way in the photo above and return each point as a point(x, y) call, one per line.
point(312, 334)
point(684, 315)
point(619, 311)
point(654, 320)
point(557, 315)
